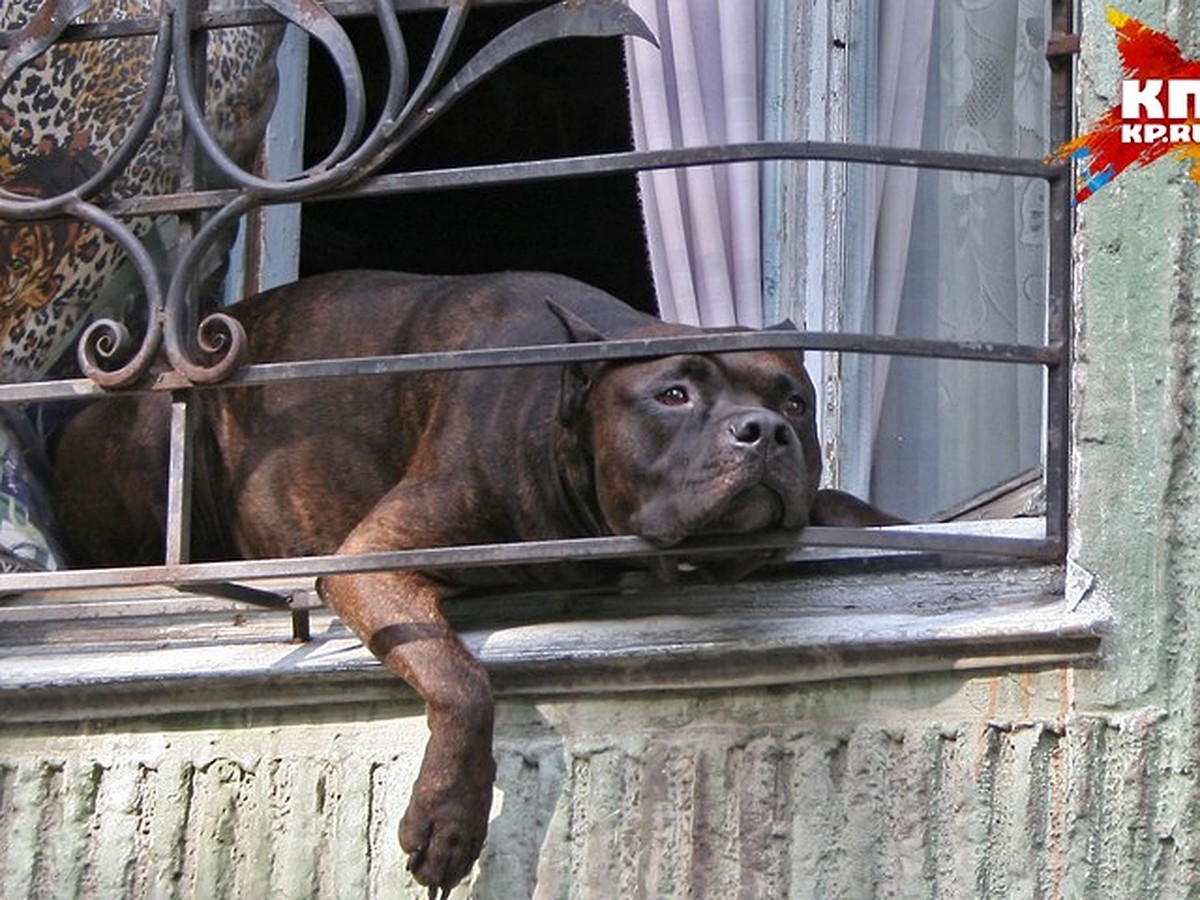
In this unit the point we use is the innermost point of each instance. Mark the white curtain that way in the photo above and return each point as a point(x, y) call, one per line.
point(700, 87)
point(903, 38)
point(974, 268)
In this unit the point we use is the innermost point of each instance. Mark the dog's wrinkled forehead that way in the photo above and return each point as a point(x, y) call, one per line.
point(769, 379)
point(770, 374)
point(765, 373)
point(746, 368)
point(765, 368)
point(759, 370)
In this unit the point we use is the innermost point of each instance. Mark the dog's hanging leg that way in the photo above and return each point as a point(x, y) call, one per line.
point(398, 616)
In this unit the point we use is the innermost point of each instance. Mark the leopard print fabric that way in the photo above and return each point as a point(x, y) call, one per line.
point(65, 112)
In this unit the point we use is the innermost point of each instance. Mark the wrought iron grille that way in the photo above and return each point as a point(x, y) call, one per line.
point(206, 354)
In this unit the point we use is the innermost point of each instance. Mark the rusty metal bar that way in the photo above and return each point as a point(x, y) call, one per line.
point(254, 596)
point(184, 415)
point(239, 593)
point(558, 354)
point(753, 151)
point(601, 164)
point(526, 553)
point(1058, 296)
point(179, 480)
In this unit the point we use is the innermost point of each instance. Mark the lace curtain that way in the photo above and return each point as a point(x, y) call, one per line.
point(974, 269)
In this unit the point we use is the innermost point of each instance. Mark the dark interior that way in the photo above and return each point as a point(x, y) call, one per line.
point(565, 98)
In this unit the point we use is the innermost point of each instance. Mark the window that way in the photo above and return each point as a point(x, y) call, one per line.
point(870, 244)
point(898, 251)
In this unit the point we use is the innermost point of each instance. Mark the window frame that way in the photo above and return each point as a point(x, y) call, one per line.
point(249, 584)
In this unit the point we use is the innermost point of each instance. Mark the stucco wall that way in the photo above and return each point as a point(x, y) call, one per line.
point(923, 786)
point(1061, 783)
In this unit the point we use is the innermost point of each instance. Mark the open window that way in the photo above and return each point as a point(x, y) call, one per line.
point(902, 216)
point(908, 251)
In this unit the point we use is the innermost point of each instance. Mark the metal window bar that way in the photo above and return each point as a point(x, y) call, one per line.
point(350, 175)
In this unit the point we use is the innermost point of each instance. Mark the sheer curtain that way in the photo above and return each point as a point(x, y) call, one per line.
point(974, 269)
point(702, 223)
point(903, 37)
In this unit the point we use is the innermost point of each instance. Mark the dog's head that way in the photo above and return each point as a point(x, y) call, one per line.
point(720, 443)
point(690, 445)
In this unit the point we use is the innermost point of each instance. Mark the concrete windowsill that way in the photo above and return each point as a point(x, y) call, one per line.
point(813, 623)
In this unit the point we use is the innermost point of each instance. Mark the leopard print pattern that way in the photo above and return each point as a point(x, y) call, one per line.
point(62, 114)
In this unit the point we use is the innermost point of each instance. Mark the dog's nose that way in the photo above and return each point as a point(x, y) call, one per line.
point(760, 428)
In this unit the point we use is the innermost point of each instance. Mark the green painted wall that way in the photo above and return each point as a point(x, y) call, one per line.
point(923, 786)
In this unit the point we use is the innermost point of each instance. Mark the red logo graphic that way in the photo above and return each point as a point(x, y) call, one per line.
point(1158, 112)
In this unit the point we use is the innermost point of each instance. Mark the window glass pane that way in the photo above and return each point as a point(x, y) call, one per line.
point(948, 255)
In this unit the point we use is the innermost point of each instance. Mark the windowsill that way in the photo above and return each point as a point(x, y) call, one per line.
point(837, 619)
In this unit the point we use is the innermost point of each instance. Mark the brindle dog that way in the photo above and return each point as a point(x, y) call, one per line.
point(721, 443)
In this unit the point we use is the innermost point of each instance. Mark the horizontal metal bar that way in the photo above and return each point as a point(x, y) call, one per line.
point(928, 541)
point(622, 163)
point(1049, 355)
point(80, 606)
point(752, 151)
point(559, 354)
point(45, 391)
point(527, 553)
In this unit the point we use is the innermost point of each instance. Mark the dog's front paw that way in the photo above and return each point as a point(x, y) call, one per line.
point(445, 824)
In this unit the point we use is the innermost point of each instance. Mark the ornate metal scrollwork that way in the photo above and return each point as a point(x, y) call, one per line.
point(209, 350)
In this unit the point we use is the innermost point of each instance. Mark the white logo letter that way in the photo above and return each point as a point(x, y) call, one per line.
point(1131, 133)
point(1136, 96)
point(1179, 92)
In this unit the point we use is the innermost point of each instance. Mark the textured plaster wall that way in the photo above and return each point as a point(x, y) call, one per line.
point(925, 786)
point(1135, 453)
point(1072, 783)
point(1137, 463)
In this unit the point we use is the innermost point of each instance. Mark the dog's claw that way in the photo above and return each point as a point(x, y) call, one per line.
point(415, 859)
point(436, 891)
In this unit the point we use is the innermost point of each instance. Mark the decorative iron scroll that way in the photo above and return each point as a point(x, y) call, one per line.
point(208, 351)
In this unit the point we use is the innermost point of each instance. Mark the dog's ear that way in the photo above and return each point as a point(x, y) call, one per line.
point(837, 508)
point(579, 331)
point(578, 377)
point(786, 325)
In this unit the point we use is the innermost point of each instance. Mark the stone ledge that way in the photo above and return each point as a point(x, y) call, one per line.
point(782, 630)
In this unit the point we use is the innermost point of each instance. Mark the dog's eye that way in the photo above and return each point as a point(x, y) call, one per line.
point(795, 405)
point(676, 395)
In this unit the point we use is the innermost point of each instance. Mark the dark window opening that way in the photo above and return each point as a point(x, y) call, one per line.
point(563, 99)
